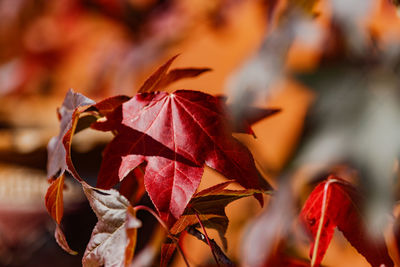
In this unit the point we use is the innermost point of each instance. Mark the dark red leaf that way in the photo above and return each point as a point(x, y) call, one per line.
point(162, 78)
point(59, 147)
point(178, 74)
point(150, 85)
point(132, 187)
point(175, 134)
point(108, 105)
point(336, 203)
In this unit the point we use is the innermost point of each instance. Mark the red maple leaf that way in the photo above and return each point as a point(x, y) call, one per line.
point(336, 203)
point(176, 134)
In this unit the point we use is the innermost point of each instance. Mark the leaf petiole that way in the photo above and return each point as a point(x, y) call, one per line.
point(162, 223)
point(208, 240)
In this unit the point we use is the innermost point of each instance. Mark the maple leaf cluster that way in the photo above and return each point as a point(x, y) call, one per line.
point(162, 142)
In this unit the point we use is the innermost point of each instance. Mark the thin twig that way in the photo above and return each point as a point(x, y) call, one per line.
point(162, 223)
point(208, 240)
point(222, 258)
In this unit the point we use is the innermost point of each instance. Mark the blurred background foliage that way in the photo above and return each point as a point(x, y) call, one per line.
point(332, 66)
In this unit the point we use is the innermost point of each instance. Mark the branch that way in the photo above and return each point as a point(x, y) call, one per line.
point(173, 238)
point(220, 255)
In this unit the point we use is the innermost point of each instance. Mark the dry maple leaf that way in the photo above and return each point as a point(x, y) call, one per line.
point(113, 239)
point(59, 159)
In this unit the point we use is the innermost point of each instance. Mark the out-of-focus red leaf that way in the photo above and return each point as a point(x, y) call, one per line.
point(269, 230)
point(253, 115)
point(270, 8)
point(395, 2)
point(54, 199)
point(59, 147)
point(306, 5)
point(112, 238)
point(62, 242)
point(148, 254)
point(242, 124)
point(281, 260)
point(396, 235)
point(162, 78)
point(336, 203)
point(175, 134)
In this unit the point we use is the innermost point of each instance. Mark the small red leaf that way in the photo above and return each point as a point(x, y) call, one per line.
point(162, 78)
point(54, 199)
point(150, 85)
point(59, 147)
point(335, 203)
point(108, 105)
point(175, 134)
point(178, 74)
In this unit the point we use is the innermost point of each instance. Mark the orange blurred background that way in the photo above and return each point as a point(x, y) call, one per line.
point(94, 47)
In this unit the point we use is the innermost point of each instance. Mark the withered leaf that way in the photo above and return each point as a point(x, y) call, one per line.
point(62, 242)
point(59, 158)
point(113, 240)
point(54, 199)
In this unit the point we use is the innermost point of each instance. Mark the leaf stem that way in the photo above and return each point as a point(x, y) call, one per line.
point(220, 255)
point(208, 240)
point(162, 223)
